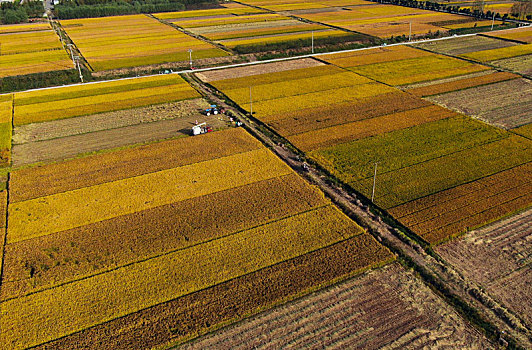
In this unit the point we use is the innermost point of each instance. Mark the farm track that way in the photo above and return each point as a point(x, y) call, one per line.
point(71, 146)
point(436, 272)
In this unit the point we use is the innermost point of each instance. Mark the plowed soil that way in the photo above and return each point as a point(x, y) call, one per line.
point(498, 258)
point(387, 308)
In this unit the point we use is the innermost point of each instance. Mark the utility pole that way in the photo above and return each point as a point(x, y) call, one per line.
point(190, 57)
point(250, 102)
point(374, 180)
point(493, 21)
point(312, 41)
point(76, 58)
point(410, 34)
point(71, 53)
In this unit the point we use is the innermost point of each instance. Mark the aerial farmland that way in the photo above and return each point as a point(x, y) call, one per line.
point(271, 174)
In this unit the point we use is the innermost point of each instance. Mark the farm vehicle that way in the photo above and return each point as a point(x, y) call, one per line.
point(201, 129)
point(213, 109)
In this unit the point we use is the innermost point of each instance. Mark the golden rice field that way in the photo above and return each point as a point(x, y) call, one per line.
point(421, 149)
point(385, 21)
point(71, 291)
point(71, 101)
point(497, 54)
point(31, 48)
point(235, 26)
point(136, 40)
point(6, 116)
point(417, 69)
point(523, 34)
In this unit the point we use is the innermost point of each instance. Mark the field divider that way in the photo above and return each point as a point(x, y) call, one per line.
point(167, 253)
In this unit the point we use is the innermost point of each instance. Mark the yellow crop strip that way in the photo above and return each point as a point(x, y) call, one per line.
point(275, 108)
point(281, 38)
point(296, 87)
point(378, 55)
point(417, 69)
point(81, 304)
point(497, 54)
point(62, 211)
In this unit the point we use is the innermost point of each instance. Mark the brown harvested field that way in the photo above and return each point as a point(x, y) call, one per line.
point(388, 308)
point(71, 146)
point(333, 135)
point(239, 72)
point(322, 117)
point(460, 46)
point(452, 212)
point(111, 120)
point(505, 104)
point(197, 312)
point(461, 84)
point(498, 258)
point(55, 178)
point(447, 80)
point(520, 64)
point(42, 262)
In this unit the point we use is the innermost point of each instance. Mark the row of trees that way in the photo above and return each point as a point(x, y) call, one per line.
point(68, 9)
point(14, 12)
point(522, 9)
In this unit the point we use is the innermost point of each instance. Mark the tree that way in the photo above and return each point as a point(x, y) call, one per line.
point(521, 9)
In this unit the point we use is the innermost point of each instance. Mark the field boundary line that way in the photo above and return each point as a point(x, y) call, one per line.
point(175, 250)
point(6, 212)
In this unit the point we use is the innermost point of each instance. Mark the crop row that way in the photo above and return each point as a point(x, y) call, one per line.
point(6, 115)
point(30, 183)
point(410, 212)
point(228, 301)
point(497, 54)
point(226, 20)
point(418, 180)
point(310, 119)
point(84, 303)
point(58, 212)
point(354, 161)
point(461, 84)
point(276, 77)
point(294, 87)
point(125, 41)
point(333, 135)
point(42, 262)
point(460, 46)
point(226, 9)
point(522, 34)
point(271, 110)
point(96, 99)
point(525, 130)
point(418, 69)
point(372, 56)
point(26, 27)
point(271, 29)
point(287, 37)
point(30, 42)
point(34, 62)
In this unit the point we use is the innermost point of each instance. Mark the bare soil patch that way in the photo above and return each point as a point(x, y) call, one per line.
point(387, 308)
point(239, 72)
point(103, 121)
point(460, 46)
point(498, 258)
point(71, 146)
